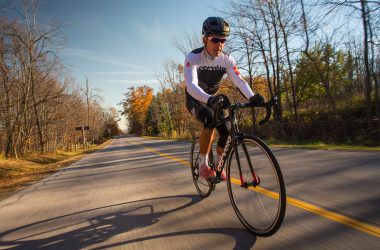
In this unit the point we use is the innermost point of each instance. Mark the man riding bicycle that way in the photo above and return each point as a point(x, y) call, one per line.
point(204, 69)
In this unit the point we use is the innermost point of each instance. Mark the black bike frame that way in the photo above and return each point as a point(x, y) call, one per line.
point(234, 139)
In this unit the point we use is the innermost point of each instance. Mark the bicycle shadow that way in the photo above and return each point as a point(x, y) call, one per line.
point(243, 239)
point(72, 231)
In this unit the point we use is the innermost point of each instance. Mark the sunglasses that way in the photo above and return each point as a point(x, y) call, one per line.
point(217, 40)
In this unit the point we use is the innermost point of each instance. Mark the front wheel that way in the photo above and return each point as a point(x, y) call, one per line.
point(203, 186)
point(256, 186)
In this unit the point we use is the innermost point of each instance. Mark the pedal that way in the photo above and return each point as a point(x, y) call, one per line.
point(212, 185)
point(215, 180)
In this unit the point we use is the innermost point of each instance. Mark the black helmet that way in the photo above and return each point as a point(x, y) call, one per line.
point(215, 26)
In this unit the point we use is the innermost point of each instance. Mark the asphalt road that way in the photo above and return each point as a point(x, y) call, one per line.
point(138, 194)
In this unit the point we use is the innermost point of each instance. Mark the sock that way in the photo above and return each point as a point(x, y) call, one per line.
point(203, 159)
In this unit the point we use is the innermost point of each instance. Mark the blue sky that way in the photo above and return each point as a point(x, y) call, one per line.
point(118, 44)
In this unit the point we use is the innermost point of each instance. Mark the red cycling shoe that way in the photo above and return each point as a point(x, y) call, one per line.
point(223, 175)
point(206, 172)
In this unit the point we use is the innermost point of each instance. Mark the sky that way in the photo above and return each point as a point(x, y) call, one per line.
point(117, 44)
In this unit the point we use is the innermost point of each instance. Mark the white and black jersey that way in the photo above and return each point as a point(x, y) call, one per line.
point(203, 74)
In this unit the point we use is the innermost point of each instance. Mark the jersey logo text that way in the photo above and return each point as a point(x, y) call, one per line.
point(212, 68)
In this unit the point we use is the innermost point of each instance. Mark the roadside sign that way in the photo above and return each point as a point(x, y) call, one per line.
point(82, 127)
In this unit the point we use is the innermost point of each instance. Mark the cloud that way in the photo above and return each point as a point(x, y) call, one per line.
point(95, 56)
point(153, 83)
point(123, 73)
point(152, 32)
point(133, 82)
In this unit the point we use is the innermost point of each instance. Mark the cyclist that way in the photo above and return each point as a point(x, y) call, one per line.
point(204, 69)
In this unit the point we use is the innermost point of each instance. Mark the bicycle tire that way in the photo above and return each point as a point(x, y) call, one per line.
point(203, 186)
point(268, 196)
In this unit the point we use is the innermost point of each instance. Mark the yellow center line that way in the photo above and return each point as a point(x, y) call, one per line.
point(345, 220)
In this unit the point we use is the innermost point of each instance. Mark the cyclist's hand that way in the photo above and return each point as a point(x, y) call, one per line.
point(256, 99)
point(214, 101)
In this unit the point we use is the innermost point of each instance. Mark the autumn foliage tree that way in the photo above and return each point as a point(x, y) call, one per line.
point(136, 106)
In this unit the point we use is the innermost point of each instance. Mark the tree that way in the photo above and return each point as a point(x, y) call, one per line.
point(187, 42)
point(135, 106)
point(31, 57)
point(365, 9)
point(90, 97)
point(328, 75)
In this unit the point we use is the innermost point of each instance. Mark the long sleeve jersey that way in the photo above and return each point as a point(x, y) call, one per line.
point(203, 74)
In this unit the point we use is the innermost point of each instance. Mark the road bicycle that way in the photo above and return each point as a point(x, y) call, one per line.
point(254, 180)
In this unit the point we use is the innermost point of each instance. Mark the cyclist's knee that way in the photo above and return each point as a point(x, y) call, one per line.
point(206, 116)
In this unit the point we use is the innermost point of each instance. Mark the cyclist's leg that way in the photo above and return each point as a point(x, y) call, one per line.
point(205, 115)
point(205, 141)
point(206, 137)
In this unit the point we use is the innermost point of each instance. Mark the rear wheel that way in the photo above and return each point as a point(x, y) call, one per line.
point(203, 186)
point(260, 207)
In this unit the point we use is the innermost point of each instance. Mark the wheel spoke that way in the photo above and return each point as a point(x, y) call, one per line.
point(263, 207)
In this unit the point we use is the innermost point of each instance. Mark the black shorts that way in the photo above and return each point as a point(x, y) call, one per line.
point(205, 115)
point(201, 111)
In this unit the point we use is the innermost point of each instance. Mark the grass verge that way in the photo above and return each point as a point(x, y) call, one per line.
point(304, 145)
point(18, 174)
point(322, 145)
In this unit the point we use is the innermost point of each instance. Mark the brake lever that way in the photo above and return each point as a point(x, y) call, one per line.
point(269, 113)
point(268, 106)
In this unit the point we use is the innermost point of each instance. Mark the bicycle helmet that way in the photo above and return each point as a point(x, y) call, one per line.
point(215, 26)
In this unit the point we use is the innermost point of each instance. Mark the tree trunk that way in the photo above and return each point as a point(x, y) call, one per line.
point(372, 67)
point(368, 87)
point(37, 116)
point(292, 84)
point(277, 83)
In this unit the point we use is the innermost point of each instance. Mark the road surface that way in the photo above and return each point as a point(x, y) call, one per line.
point(138, 194)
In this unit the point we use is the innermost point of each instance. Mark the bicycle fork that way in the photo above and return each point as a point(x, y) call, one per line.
point(255, 179)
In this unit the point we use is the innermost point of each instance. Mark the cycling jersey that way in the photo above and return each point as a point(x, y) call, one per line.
point(203, 74)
